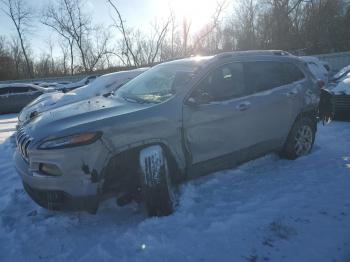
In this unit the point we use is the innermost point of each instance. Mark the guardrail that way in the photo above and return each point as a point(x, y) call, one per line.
point(74, 78)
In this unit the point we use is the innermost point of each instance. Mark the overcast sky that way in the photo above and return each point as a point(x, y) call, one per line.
point(136, 13)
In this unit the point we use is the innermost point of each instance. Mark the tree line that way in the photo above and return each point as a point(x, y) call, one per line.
point(299, 26)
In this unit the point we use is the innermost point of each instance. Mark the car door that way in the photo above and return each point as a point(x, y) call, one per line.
point(217, 115)
point(275, 101)
point(6, 100)
point(23, 95)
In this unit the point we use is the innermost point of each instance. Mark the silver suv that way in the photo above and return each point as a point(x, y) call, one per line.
point(177, 121)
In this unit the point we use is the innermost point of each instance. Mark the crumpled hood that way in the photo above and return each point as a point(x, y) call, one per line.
point(342, 87)
point(46, 102)
point(87, 114)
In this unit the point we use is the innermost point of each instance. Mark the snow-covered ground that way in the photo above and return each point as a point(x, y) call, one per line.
point(265, 210)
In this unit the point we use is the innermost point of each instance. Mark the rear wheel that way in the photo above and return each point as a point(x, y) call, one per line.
point(158, 190)
point(300, 139)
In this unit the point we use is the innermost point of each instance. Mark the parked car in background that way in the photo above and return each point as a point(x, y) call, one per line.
point(101, 86)
point(317, 68)
point(342, 74)
point(13, 97)
point(176, 121)
point(71, 86)
point(65, 86)
point(340, 90)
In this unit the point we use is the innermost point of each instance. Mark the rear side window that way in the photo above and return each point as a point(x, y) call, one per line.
point(264, 75)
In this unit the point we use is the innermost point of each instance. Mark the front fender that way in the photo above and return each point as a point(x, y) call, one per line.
point(174, 150)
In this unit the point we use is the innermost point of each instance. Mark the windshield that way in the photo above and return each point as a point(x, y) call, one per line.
point(157, 84)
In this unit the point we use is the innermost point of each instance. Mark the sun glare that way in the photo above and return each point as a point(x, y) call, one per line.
point(196, 12)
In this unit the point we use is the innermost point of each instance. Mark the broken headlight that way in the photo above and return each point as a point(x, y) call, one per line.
point(70, 141)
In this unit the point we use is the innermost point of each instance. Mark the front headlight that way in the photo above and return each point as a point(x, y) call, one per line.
point(71, 141)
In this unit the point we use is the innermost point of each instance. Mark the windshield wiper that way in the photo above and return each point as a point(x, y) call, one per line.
point(134, 99)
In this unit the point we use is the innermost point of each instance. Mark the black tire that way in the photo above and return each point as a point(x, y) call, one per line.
point(296, 144)
point(158, 190)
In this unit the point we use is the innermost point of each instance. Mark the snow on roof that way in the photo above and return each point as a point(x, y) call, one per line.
point(111, 80)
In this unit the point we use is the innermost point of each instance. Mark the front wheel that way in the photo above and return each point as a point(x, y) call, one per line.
point(158, 189)
point(300, 139)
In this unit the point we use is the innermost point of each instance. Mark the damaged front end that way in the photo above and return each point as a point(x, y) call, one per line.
point(61, 177)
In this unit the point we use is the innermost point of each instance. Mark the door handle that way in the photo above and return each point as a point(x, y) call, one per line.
point(243, 106)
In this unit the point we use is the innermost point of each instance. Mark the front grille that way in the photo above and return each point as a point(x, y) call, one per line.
point(342, 102)
point(23, 142)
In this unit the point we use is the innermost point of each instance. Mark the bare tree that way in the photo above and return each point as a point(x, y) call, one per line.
point(95, 46)
point(58, 20)
point(160, 32)
point(68, 19)
point(213, 25)
point(65, 57)
point(186, 27)
point(21, 16)
point(16, 54)
point(78, 26)
point(246, 24)
point(119, 24)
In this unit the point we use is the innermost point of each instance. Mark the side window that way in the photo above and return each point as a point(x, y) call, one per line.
point(225, 82)
point(5, 91)
point(264, 75)
point(20, 89)
point(292, 73)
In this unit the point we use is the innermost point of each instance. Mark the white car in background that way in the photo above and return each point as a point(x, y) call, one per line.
point(317, 68)
point(66, 86)
point(103, 85)
point(341, 75)
point(340, 90)
point(15, 96)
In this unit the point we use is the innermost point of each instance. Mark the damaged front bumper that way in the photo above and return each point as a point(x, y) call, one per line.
point(76, 189)
point(59, 200)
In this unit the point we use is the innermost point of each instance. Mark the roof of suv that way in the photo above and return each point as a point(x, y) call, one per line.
point(254, 53)
point(203, 59)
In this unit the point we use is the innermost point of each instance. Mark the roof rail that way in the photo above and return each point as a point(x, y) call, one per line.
point(253, 52)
